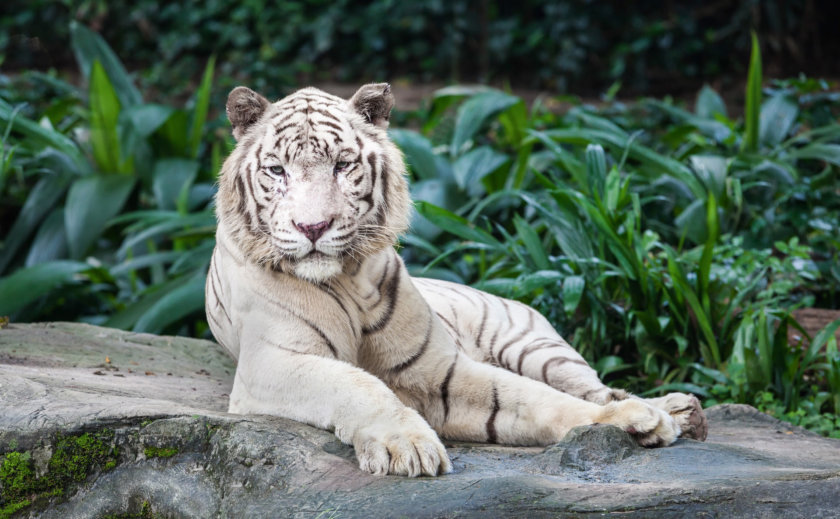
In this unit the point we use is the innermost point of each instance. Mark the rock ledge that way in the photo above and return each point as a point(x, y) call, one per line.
point(158, 405)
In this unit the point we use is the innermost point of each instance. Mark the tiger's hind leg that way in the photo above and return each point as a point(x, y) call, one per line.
point(516, 337)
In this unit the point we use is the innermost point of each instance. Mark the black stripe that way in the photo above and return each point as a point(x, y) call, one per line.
point(331, 125)
point(419, 353)
point(531, 349)
point(491, 422)
point(326, 114)
point(311, 325)
point(216, 294)
point(558, 361)
point(391, 301)
point(508, 344)
point(280, 130)
point(484, 312)
point(330, 292)
point(444, 388)
point(240, 189)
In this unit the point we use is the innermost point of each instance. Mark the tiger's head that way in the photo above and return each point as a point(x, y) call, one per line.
point(314, 185)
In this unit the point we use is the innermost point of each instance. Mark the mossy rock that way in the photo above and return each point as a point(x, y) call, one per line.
point(103, 423)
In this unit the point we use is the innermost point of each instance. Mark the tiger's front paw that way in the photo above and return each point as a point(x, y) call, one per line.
point(649, 426)
point(405, 447)
point(686, 411)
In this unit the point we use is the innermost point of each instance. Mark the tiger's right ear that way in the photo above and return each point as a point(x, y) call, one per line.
point(244, 108)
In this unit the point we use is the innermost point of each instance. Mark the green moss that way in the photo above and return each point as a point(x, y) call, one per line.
point(9, 509)
point(160, 452)
point(74, 459)
point(17, 476)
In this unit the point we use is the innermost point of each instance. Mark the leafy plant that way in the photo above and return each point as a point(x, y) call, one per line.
point(144, 161)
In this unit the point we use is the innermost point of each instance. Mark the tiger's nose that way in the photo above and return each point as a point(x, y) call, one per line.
point(313, 231)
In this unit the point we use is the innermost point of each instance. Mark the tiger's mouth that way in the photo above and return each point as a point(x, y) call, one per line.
point(317, 266)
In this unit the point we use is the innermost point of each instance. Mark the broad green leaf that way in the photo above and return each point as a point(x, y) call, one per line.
point(88, 48)
point(596, 169)
point(173, 136)
point(419, 155)
point(778, 114)
point(712, 171)
point(40, 201)
point(37, 134)
point(202, 103)
point(104, 115)
point(714, 374)
point(173, 222)
point(826, 152)
point(26, 285)
point(712, 128)
point(147, 118)
point(649, 159)
point(174, 305)
point(610, 364)
point(456, 225)
point(50, 242)
point(573, 287)
point(536, 280)
point(820, 339)
point(474, 165)
point(691, 222)
point(709, 103)
point(567, 161)
point(597, 122)
point(91, 202)
point(753, 99)
point(473, 113)
point(705, 266)
point(126, 318)
point(171, 178)
point(532, 243)
point(145, 261)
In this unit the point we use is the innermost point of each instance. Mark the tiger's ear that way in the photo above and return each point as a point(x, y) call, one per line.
point(244, 108)
point(374, 102)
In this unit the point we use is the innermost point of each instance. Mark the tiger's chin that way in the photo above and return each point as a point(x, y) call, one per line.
point(317, 267)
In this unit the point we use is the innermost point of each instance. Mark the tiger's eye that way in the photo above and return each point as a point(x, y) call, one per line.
point(277, 171)
point(341, 166)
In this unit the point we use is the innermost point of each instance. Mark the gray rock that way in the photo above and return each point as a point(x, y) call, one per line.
point(159, 403)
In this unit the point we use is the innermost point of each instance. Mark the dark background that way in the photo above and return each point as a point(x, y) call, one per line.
point(579, 47)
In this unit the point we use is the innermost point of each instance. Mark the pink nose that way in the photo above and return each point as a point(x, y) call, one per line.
point(313, 231)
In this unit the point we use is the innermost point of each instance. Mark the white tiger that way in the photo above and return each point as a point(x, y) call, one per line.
point(306, 291)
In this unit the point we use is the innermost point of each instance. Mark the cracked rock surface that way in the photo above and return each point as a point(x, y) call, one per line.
point(170, 393)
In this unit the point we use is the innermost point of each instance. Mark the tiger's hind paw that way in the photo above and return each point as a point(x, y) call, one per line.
point(686, 411)
point(649, 426)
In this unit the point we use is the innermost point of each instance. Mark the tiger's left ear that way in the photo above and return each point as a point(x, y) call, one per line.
point(374, 102)
point(244, 108)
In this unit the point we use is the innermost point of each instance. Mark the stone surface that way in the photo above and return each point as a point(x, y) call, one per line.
point(166, 392)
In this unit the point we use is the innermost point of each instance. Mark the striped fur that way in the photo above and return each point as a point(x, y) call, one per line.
point(306, 291)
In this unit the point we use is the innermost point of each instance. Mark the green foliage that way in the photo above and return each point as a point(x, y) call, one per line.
point(667, 244)
point(148, 163)
point(273, 46)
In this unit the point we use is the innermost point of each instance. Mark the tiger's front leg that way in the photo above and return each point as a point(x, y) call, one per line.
point(388, 437)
